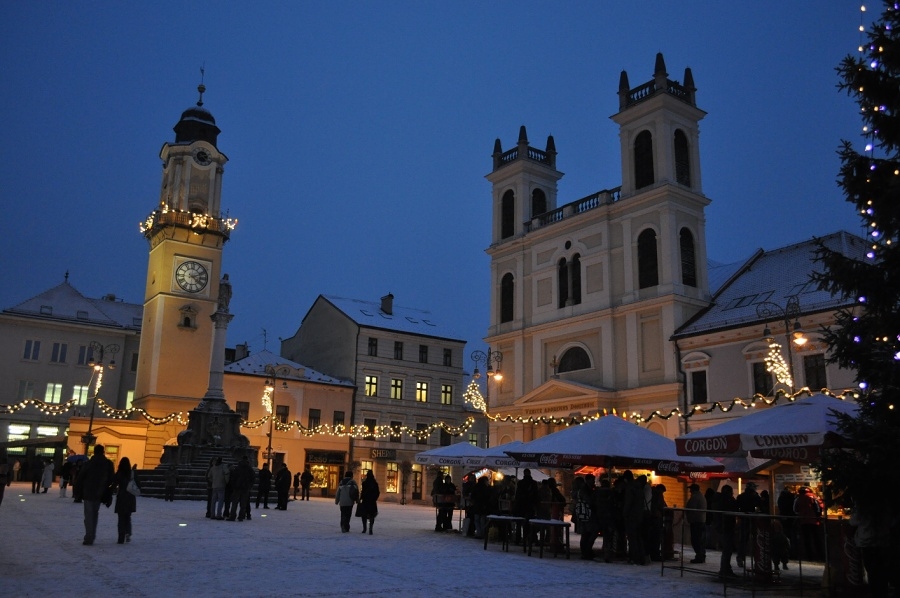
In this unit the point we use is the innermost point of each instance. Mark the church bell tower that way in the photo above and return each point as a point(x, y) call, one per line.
point(186, 233)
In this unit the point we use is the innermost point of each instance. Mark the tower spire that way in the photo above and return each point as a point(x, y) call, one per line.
point(201, 88)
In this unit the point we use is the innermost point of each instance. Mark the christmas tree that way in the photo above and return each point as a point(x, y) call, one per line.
point(866, 338)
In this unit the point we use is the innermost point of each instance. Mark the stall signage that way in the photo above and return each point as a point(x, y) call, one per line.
point(384, 454)
point(324, 458)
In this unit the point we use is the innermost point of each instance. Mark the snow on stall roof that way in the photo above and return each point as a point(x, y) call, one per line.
point(256, 363)
point(403, 319)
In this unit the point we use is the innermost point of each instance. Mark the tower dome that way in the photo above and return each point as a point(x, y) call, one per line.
point(197, 124)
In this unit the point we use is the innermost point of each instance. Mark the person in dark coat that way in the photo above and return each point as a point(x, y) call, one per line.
point(445, 507)
point(283, 486)
point(728, 504)
point(126, 502)
point(241, 482)
point(368, 505)
point(92, 485)
point(296, 484)
point(481, 505)
point(171, 482)
point(264, 487)
point(37, 474)
point(306, 479)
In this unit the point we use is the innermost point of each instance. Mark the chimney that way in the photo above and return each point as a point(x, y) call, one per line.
point(387, 304)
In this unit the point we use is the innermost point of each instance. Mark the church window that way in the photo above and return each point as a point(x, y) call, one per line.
point(508, 215)
point(562, 282)
point(569, 281)
point(648, 270)
point(688, 258)
point(538, 203)
point(573, 359)
point(643, 160)
point(682, 160)
point(507, 287)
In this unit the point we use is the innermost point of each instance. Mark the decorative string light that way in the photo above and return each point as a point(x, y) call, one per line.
point(776, 364)
point(473, 397)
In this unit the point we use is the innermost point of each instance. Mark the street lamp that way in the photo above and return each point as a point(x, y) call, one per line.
point(98, 352)
point(273, 373)
point(793, 334)
point(488, 359)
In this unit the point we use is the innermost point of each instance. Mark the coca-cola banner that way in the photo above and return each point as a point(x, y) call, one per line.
point(569, 460)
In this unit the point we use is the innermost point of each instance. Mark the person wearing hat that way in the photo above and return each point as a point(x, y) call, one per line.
point(696, 517)
point(747, 502)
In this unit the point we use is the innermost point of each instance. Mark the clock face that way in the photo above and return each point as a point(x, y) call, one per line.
point(202, 157)
point(192, 277)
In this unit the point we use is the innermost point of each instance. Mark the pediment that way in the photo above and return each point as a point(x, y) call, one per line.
point(556, 390)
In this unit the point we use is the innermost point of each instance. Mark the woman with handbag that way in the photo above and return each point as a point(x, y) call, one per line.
point(126, 488)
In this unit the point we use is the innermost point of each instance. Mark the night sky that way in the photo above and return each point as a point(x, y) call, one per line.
point(359, 135)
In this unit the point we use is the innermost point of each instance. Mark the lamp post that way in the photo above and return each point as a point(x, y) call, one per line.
point(488, 358)
point(793, 332)
point(98, 352)
point(273, 372)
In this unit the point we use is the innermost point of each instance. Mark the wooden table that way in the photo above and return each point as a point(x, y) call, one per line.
point(504, 524)
point(540, 528)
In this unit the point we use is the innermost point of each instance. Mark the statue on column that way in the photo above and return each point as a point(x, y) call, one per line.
point(224, 294)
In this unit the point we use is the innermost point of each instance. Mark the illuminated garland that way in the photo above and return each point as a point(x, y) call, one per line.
point(776, 364)
point(473, 397)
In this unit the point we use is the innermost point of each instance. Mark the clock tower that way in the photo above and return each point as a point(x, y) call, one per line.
point(186, 233)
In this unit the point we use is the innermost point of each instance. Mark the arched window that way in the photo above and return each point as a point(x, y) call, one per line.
point(648, 270)
point(643, 160)
point(562, 282)
point(508, 215)
point(575, 277)
point(538, 203)
point(573, 359)
point(682, 159)
point(507, 288)
point(688, 258)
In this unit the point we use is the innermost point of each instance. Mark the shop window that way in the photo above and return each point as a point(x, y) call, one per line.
point(392, 476)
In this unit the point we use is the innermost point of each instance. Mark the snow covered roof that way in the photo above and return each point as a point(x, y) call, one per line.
point(65, 303)
point(771, 276)
point(369, 314)
point(256, 363)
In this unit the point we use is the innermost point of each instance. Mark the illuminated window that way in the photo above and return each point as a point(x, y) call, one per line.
point(54, 393)
point(395, 431)
point(80, 394)
point(282, 412)
point(47, 431)
point(446, 394)
point(129, 399)
point(32, 350)
point(392, 476)
point(396, 388)
point(58, 354)
point(242, 408)
point(371, 386)
point(473, 438)
point(315, 417)
point(422, 392)
point(365, 466)
point(26, 390)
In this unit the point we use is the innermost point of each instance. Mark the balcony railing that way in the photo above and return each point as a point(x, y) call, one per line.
point(191, 220)
point(585, 204)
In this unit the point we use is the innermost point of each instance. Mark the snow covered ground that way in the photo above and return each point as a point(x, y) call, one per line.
point(176, 551)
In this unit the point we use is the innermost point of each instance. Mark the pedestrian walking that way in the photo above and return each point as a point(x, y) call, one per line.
point(37, 474)
point(47, 476)
point(347, 495)
point(296, 484)
point(696, 517)
point(368, 505)
point(126, 502)
point(65, 474)
point(241, 481)
point(170, 482)
point(306, 479)
point(265, 486)
point(283, 486)
point(218, 478)
point(93, 487)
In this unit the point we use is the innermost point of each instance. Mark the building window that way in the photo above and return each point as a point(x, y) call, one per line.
point(446, 394)
point(54, 393)
point(814, 371)
point(423, 353)
point(648, 274)
point(373, 347)
point(26, 390)
point(699, 392)
point(421, 436)
point(365, 466)
point(573, 359)
point(422, 392)
point(134, 362)
point(371, 386)
point(473, 438)
point(448, 357)
point(569, 281)
point(682, 159)
point(58, 354)
point(392, 474)
point(396, 388)
point(370, 424)
point(398, 349)
point(507, 298)
point(508, 215)
point(338, 419)
point(242, 408)
point(282, 412)
point(538, 202)
point(315, 418)
point(84, 355)
point(395, 432)
point(762, 379)
point(688, 258)
point(32, 350)
point(129, 399)
point(80, 394)
point(643, 160)
point(445, 437)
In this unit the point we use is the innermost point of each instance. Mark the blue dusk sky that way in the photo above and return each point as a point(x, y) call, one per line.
point(359, 135)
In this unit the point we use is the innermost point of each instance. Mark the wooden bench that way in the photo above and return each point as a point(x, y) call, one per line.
point(504, 525)
point(540, 530)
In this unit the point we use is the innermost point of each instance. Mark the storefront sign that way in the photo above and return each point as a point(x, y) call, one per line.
point(325, 458)
point(384, 454)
